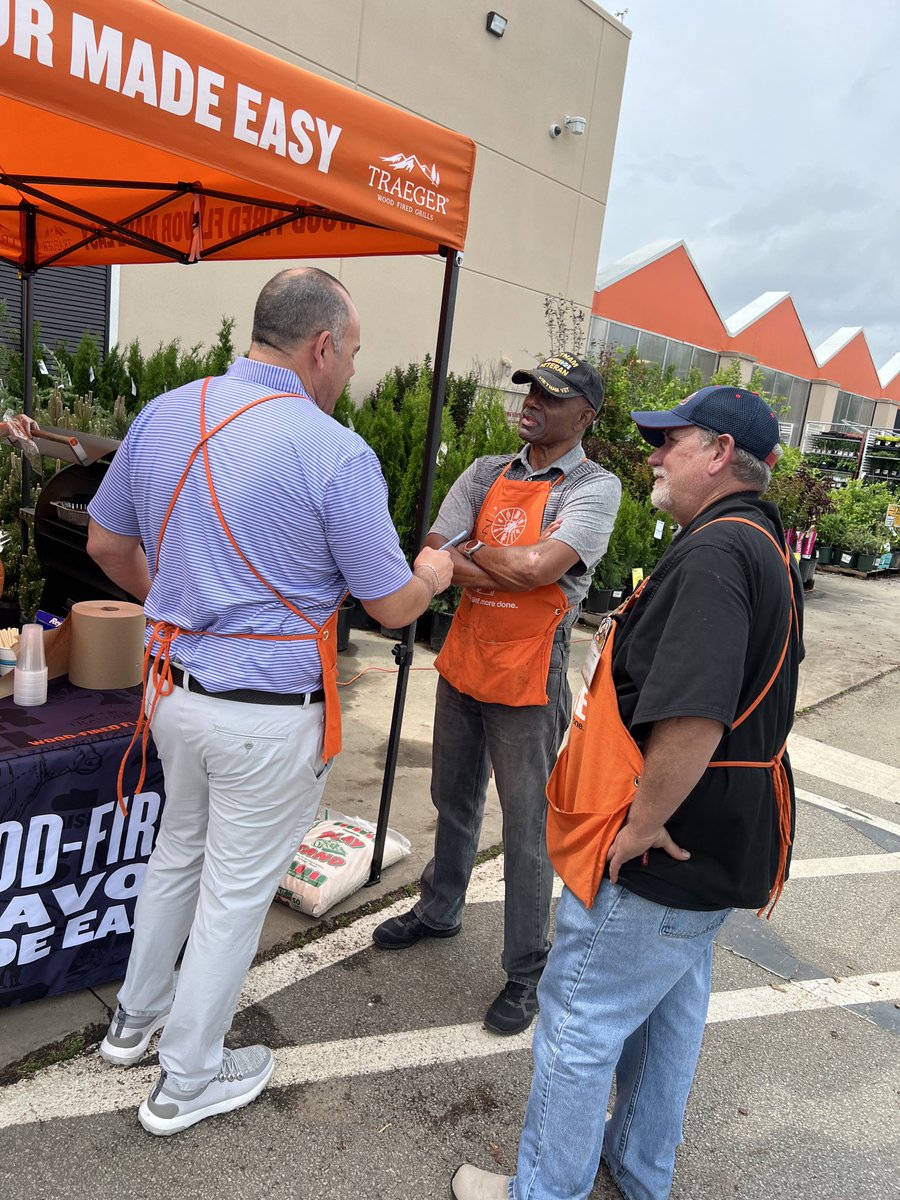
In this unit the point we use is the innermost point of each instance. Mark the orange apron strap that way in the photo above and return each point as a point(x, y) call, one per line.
point(780, 782)
point(782, 790)
point(206, 435)
point(793, 621)
point(163, 635)
point(597, 775)
point(327, 646)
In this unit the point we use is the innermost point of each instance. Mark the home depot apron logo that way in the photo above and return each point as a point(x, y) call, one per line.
point(407, 194)
point(508, 526)
point(498, 649)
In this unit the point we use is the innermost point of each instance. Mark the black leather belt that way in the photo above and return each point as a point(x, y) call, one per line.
point(247, 695)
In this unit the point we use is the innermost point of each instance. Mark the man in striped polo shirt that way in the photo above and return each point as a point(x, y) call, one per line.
point(241, 546)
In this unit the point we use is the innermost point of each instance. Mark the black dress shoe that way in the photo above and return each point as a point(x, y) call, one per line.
point(400, 932)
point(513, 1010)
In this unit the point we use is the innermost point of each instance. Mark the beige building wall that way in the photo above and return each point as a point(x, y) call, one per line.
point(885, 414)
point(745, 362)
point(823, 396)
point(537, 204)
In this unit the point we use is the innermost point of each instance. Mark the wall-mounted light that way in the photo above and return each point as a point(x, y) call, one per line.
point(576, 125)
point(496, 24)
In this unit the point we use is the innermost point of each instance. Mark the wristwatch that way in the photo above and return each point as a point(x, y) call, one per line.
point(469, 548)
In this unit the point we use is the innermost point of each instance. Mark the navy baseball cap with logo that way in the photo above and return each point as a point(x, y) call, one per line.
point(564, 376)
point(743, 414)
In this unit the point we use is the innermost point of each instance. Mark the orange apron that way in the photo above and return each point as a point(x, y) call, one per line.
point(163, 634)
point(598, 772)
point(499, 645)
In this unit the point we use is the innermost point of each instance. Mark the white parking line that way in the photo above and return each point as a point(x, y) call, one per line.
point(487, 888)
point(88, 1086)
point(841, 766)
point(848, 864)
point(803, 995)
point(845, 810)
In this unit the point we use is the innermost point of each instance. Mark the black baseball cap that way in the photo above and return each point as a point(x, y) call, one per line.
point(743, 414)
point(564, 376)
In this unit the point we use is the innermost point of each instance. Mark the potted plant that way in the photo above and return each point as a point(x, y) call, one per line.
point(845, 557)
point(829, 528)
point(803, 500)
point(865, 544)
point(344, 624)
point(442, 609)
point(599, 597)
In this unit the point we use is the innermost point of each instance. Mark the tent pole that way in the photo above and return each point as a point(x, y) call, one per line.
point(403, 652)
point(27, 275)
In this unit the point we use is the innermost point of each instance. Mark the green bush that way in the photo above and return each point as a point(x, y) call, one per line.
point(393, 419)
point(633, 385)
point(860, 540)
point(857, 518)
point(829, 529)
point(632, 543)
point(801, 496)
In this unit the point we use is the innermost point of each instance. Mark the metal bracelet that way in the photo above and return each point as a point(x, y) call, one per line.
point(437, 578)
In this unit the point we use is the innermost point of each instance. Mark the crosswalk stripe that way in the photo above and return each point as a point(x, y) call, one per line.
point(841, 766)
point(87, 1086)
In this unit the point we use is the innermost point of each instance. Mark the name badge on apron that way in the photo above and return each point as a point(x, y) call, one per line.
point(592, 658)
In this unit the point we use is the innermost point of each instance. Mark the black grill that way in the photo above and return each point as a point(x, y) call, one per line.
point(60, 528)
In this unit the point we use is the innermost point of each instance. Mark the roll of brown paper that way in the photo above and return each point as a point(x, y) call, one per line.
point(107, 644)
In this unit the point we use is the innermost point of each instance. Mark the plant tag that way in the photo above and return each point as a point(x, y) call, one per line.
point(659, 530)
point(637, 574)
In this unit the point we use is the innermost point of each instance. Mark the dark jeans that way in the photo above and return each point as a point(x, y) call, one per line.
point(521, 744)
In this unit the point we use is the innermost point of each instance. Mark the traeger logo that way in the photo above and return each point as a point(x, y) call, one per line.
point(407, 193)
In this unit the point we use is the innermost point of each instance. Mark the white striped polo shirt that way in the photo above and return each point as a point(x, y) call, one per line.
point(304, 497)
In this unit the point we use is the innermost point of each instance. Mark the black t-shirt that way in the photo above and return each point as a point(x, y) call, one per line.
point(702, 640)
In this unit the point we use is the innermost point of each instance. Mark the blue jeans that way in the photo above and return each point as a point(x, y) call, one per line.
point(625, 992)
point(521, 744)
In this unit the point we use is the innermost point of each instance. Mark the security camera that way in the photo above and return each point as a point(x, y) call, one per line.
point(576, 125)
point(555, 130)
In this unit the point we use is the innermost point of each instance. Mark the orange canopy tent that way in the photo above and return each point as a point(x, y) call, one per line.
point(130, 134)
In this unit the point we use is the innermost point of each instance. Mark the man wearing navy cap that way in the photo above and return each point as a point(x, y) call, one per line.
point(677, 743)
point(540, 521)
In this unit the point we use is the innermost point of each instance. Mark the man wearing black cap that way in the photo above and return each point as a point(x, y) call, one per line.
point(540, 521)
point(671, 804)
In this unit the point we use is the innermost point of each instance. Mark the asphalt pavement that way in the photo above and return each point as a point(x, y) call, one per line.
point(385, 1079)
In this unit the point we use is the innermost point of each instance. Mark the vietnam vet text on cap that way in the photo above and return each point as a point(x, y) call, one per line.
point(564, 376)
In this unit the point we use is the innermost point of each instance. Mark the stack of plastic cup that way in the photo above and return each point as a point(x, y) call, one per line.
point(30, 678)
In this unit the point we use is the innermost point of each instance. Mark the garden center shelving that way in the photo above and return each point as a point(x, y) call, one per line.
point(881, 457)
point(833, 450)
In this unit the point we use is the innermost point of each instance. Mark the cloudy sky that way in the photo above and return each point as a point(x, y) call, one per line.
point(767, 136)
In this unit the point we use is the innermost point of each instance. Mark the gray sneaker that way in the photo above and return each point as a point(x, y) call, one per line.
point(242, 1076)
point(128, 1037)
